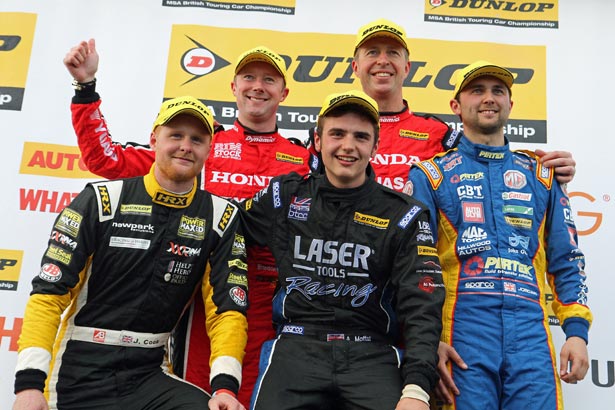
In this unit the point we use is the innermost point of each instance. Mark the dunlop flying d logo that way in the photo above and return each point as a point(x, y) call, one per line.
point(200, 61)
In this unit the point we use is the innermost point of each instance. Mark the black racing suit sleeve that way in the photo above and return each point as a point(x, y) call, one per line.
point(72, 236)
point(417, 276)
point(225, 295)
point(257, 213)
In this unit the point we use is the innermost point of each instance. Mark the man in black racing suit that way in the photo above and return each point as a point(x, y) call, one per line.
point(353, 258)
point(123, 262)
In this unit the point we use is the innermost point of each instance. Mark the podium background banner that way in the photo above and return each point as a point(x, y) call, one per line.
point(560, 52)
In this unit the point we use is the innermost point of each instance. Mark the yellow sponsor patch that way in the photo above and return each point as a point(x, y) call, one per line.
point(59, 254)
point(280, 156)
point(69, 222)
point(427, 251)
point(135, 209)
point(370, 220)
point(423, 136)
point(238, 263)
point(191, 228)
point(518, 222)
point(238, 279)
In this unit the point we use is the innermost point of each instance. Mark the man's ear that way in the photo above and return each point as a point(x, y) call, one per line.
point(375, 149)
point(455, 107)
point(317, 141)
point(152, 140)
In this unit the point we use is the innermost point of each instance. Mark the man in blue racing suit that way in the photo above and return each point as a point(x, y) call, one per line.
point(504, 230)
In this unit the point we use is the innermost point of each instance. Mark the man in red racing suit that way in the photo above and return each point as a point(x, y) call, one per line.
point(381, 63)
point(242, 161)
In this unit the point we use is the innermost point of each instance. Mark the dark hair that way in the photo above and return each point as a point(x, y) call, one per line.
point(350, 108)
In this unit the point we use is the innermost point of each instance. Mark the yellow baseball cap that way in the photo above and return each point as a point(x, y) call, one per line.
point(262, 53)
point(333, 101)
point(185, 105)
point(479, 69)
point(383, 28)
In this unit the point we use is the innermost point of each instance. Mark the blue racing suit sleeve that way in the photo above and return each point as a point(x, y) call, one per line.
point(566, 267)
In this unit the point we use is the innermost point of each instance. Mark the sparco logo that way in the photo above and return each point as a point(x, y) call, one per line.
point(200, 61)
point(277, 202)
point(479, 285)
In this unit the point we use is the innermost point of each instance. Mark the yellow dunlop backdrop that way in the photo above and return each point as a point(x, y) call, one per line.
point(266, 6)
point(202, 61)
point(10, 268)
point(508, 13)
point(16, 35)
point(53, 160)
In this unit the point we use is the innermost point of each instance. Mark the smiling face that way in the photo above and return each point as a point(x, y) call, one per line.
point(181, 145)
point(484, 106)
point(382, 65)
point(259, 89)
point(346, 143)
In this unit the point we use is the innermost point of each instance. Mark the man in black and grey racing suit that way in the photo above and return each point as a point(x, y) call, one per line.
point(349, 263)
point(355, 259)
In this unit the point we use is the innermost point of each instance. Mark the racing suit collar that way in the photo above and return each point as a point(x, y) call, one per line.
point(165, 198)
point(249, 131)
point(348, 194)
point(394, 116)
point(484, 153)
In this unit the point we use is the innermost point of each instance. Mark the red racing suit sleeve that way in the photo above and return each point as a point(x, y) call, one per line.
point(100, 153)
